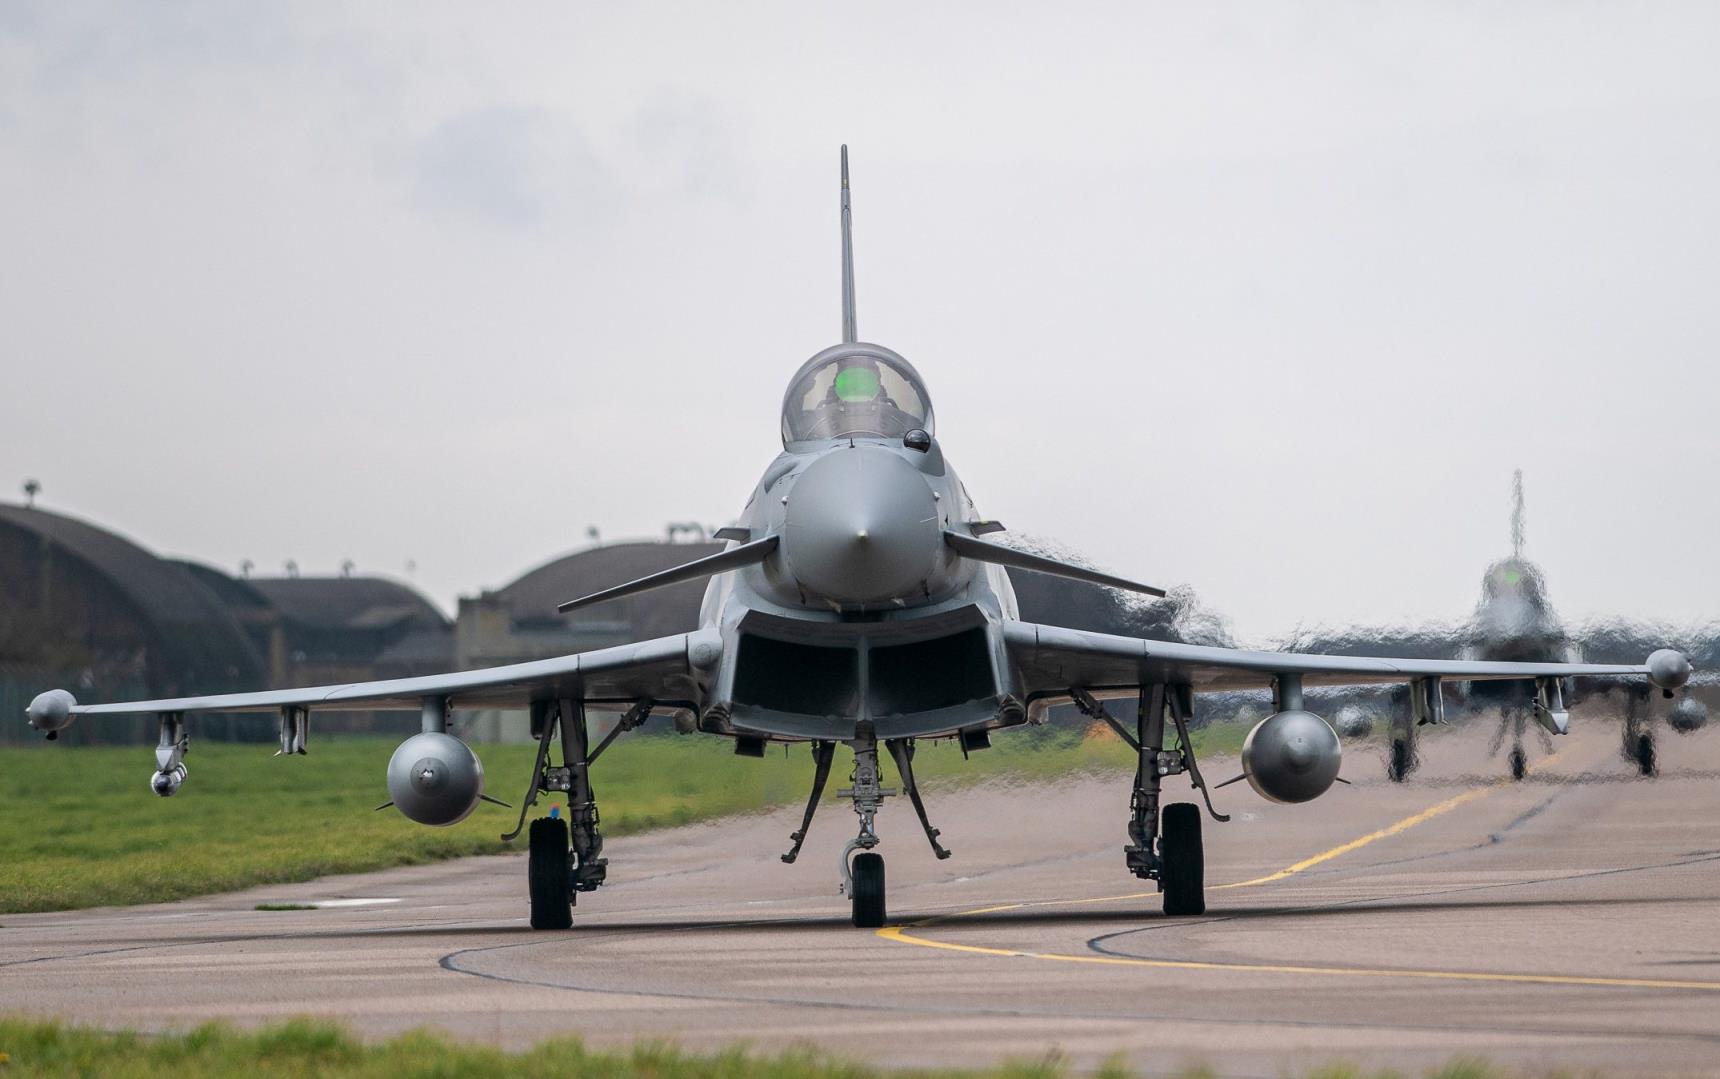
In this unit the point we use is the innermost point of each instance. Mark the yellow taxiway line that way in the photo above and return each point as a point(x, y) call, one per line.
point(1361, 841)
point(902, 934)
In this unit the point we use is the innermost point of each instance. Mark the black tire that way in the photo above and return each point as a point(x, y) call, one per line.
point(1645, 754)
point(867, 891)
point(1519, 763)
point(1398, 767)
point(1182, 862)
point(551, 882)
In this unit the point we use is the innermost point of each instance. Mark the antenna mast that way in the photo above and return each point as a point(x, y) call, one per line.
point(1517, 514)
point(849, 333)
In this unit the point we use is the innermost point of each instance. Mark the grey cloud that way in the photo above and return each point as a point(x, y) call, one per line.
point(687, 146)
point(514, 167)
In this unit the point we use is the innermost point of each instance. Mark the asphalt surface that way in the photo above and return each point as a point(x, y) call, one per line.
point(1569, 920)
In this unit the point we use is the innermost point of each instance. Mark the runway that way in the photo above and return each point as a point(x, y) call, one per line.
point(1568, 921)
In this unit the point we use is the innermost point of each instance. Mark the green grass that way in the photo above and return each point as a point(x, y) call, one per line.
point(79, 827)
point(307, 1047)
point(304, 1048)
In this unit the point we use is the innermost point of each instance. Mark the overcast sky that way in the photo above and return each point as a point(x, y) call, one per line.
point(1267, 299)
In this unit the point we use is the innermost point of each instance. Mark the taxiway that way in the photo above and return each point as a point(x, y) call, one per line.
point(1570, 920)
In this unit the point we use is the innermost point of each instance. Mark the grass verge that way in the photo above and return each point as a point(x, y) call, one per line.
point(307, 1047)
point(81, 829)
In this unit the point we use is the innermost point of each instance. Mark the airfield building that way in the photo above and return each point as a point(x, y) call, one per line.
point(519, 622)
point(84, 607)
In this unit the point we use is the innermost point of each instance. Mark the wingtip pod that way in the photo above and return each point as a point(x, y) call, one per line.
point(1668, 669)
point(51, 712)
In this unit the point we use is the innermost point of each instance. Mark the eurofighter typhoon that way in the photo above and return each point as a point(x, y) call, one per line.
point(858, 602)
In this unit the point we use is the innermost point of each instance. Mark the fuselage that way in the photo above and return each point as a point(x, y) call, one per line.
point(1514, 623)
point(863, 614)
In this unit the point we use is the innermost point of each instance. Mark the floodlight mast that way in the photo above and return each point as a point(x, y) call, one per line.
point(849, 333)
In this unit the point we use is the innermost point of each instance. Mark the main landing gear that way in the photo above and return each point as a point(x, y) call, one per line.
point(1164, 845)
point(1638, 738)
point(862, 867)
point(566, 856)
point(1417, 705)
point(1401, 760)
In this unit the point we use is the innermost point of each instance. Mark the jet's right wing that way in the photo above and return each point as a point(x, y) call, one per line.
point(1050, 661)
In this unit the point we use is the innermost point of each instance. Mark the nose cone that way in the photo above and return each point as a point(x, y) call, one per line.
point(861, 527)
point(1510, 616)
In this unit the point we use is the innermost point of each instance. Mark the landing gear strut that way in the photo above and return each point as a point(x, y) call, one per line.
point(565, 855)
point(864, 882)
point(1164, 847)
point(822, 752)
point(902, 752)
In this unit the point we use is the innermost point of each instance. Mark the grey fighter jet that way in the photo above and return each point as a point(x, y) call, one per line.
point(1514, 621)
point(858, 602)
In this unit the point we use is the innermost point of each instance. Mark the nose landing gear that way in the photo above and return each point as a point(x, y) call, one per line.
point(863, 875)
point(1519, 762)
point(862, 868)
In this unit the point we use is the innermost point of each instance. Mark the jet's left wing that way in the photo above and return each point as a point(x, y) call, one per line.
point(1050, 663)
point(660, 670)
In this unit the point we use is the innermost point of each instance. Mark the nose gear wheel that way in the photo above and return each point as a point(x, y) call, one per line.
point(867, 890)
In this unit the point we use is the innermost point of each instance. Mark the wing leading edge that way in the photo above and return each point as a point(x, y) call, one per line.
point(659, 670)
point(1051, 660)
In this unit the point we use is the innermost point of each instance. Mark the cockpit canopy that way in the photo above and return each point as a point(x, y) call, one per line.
point(1514, 579)
point(855, 389)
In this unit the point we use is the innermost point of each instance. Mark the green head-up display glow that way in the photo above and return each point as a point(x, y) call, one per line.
point(857, 384)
